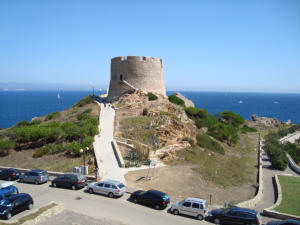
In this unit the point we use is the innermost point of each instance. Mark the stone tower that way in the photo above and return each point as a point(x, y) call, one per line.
point(132, 73)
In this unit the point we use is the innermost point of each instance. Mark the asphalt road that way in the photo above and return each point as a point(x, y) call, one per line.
point(101, 207)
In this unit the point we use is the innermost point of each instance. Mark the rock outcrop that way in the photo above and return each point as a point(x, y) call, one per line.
point(187, 102)
point(269, 122)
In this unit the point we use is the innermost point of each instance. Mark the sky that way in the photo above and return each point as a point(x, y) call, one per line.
point(213, 45)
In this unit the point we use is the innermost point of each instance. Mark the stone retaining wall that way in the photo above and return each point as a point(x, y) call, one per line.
point(293, 165)
point(278, 215)
point(118, 153)
point(257, 198)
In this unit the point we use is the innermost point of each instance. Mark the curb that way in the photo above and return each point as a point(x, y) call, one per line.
point(273, 213)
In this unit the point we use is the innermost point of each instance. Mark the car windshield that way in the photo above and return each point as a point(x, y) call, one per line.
point(121, 186)
point(44, 173)
point(80, 177)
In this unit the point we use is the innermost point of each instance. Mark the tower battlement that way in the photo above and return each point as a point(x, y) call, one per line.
point(145, 73)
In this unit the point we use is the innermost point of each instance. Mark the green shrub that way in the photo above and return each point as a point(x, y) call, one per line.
point(293, 150)
point(49, 150)
point(203, 140)
point(83, 116)
point(52, 115)
point(71, 130)
point(74, 148)
point(192, 111)
point(22, 123)
point(88, 141)
point(231, 118)
point(35, 122)
point(5, 146)
point(174, 99)
point(245, 129)
point(224, 132)
point(87, 100)
point(151, 96)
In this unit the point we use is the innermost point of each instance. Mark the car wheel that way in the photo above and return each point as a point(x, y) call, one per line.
point(30, 206)
point(54, 185)
point(135, 200)
point(91, 190)
point(8, 216)
point(73, 187)
point(217, 221)
point(176, 212)
point(157, 207)
point(9, 179)
point(36, 182)
point(200, 217)
point(111, 195)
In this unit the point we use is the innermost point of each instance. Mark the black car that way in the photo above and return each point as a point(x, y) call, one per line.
point(15, 204)
point(235, 215)
point(69, 180)
point(10, 174)
point(284, 222)
point(154, 198)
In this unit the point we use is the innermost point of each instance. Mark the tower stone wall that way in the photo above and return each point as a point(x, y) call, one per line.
point(133, 72)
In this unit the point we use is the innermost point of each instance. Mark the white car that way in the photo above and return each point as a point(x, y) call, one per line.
point(195, 207)
point(111, 188)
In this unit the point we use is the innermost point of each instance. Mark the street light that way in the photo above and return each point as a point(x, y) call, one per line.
point(93, 90)
point(84, 152)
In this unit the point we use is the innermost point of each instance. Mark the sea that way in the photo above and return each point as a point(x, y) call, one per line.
point(25, 105)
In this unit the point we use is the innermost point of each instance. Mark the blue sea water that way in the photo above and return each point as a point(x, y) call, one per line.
point(24, 105)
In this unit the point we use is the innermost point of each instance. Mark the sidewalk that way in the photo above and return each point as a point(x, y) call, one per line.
point(106, 160)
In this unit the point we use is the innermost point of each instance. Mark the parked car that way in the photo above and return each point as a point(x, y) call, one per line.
point(15, 204)
point(7, 189)
point(235, 215)
point(195, 207)
point(154, 198)
point(69, 180)
point(111, 188)
point(35, 176)
point(284, 222)
point(10, 174)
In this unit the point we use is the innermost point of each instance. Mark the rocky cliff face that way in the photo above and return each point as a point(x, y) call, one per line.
point(268, 122)
point(156, 123)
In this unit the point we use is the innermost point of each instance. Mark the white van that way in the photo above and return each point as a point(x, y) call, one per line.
point(195, 207)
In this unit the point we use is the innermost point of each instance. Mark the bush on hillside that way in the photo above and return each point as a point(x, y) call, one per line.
point(230, 118)
point(192, 111)
point(203, 140)
point(52, 115)
point(174, 99)
point(224, 133)
point(5, 146)
point(49, 150)
point(293, 150)
point(22, 123)
point(245, 129)
point(87, 100)
point(152, 97)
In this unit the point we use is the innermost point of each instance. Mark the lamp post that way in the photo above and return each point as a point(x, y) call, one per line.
point(84, 152)
point(93, 91)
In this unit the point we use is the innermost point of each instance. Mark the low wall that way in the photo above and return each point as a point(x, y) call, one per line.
point(118, 153)
point(257, 198)
point(293, 165)
point(278, 215)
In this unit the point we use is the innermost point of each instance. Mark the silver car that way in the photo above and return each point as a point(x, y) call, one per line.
point(111, 188)
point(195, 207)
point(35, 176)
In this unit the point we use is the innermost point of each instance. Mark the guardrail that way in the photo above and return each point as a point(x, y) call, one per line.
point(293, 165)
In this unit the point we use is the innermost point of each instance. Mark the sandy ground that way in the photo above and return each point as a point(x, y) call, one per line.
point(182, 181)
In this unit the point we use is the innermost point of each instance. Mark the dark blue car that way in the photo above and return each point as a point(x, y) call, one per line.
point(154, 198)
point(6, 190)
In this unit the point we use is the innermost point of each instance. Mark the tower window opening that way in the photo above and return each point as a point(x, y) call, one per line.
point(121, 77)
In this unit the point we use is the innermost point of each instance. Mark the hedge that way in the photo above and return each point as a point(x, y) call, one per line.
point(203, 140)
point(174, 99)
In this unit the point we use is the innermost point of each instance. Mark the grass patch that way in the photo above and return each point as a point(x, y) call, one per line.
point(87, 100)
point(174, 99)
point(52, 115)
point(290, 187)
point(32, 215)
point(152, 97)
point(203, 140)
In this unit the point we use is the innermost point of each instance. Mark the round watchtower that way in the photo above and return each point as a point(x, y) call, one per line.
point(133, 72)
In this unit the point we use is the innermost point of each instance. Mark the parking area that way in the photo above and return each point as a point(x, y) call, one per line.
point(97, 207)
